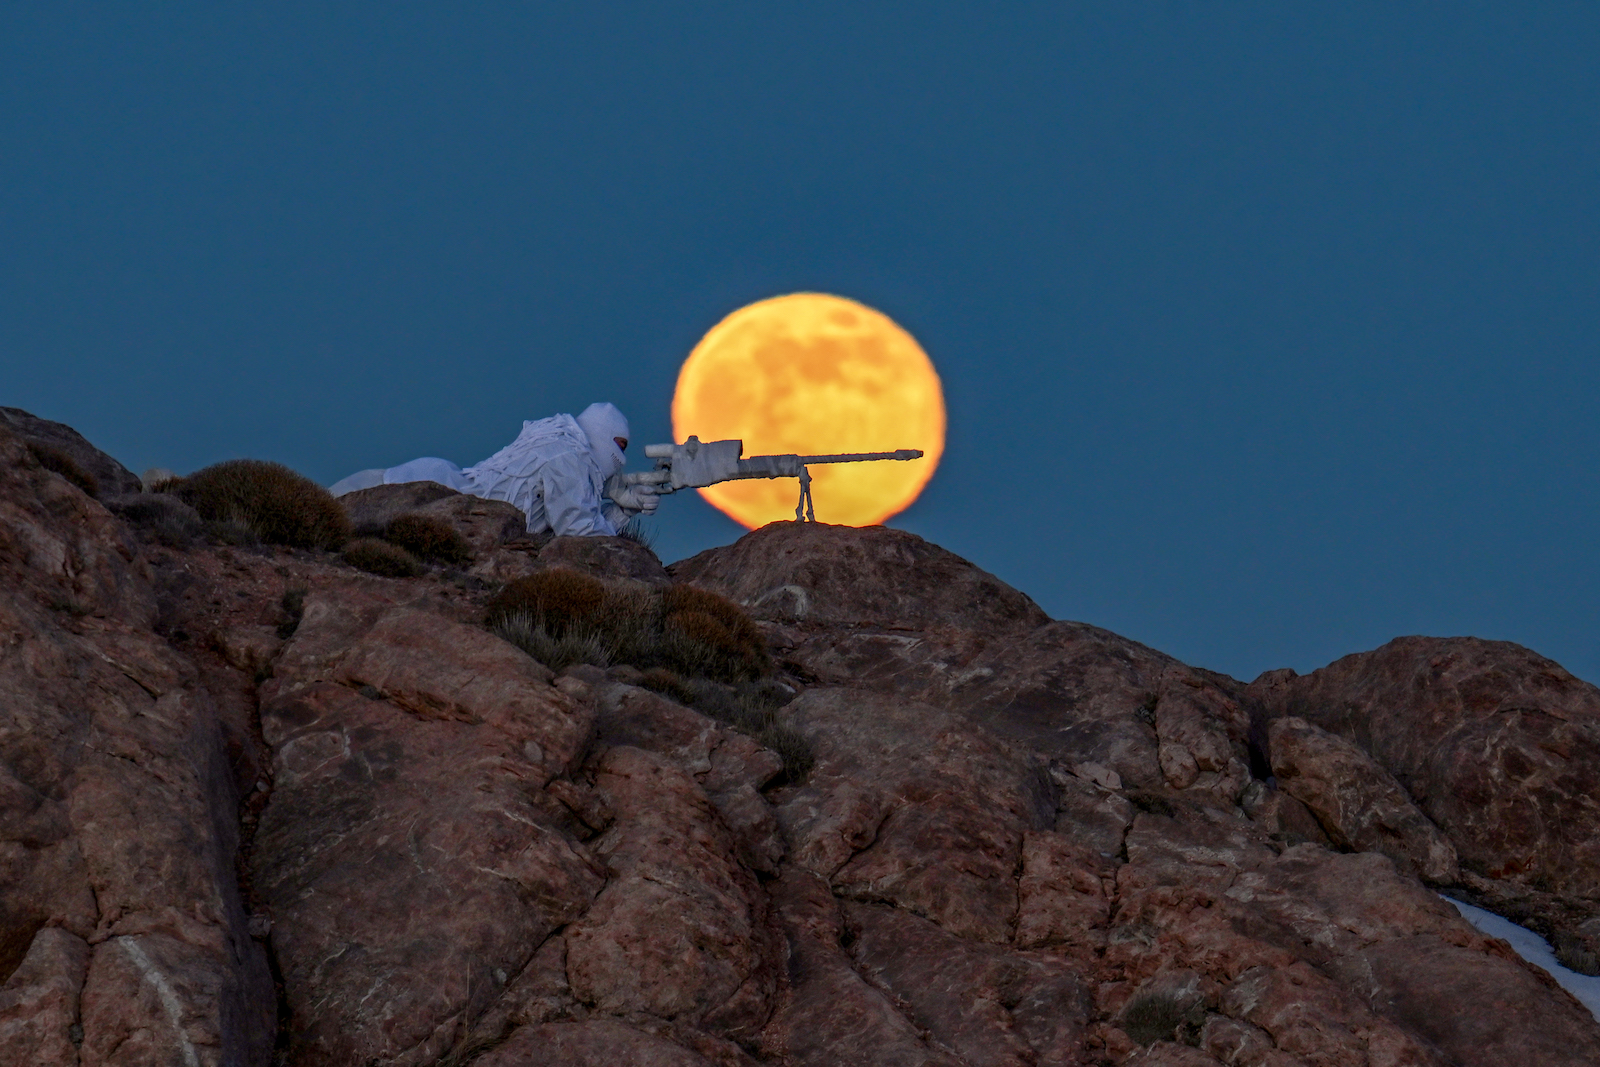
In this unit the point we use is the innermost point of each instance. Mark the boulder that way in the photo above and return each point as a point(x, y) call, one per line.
point(1357, 802)
point(858, 577)
point(486, 524)
point(605, 557)
point(112, 478)
point(1497, 745)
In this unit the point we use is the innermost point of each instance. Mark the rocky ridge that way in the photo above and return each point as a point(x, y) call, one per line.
point(257, 807)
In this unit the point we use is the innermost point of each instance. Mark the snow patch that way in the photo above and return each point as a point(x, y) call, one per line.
point(1536, 950)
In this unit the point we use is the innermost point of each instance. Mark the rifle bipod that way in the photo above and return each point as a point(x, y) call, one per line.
point(805, 499)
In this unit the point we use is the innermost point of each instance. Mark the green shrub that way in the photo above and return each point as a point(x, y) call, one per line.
point(382, 558)
point(750, 707)
point(56, 461)
point(273, 502)
point(429, 537)
point(791, 747)
point(682, 629)
point(1574, 955)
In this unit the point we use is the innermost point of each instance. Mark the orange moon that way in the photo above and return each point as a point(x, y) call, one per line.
point(814, 374)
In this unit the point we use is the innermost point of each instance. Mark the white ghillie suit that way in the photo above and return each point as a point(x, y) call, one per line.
point(554, 472)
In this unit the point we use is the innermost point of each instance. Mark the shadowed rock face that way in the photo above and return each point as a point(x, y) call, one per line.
point(112, 477)
point(1023, 842)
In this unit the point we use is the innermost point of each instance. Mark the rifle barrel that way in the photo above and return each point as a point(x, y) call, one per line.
point(862, 457)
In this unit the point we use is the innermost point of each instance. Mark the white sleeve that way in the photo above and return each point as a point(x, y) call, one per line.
point(571, 505)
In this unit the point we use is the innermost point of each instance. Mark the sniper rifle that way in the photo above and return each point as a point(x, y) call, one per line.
point(696, 464)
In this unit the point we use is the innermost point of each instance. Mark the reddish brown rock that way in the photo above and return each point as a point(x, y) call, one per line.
point(590, 1043)
point(1421, 982)
point(605, 557)
point(681, 930)
point(1283, 817)
point(729, 766)
point(897, 783)
point(882, 609)
point(1062, 898)
point(407, 861)
point(1023, 841)
point(832, 1015)
point(1357, 802)
point(40, 1022)
point(845, 576)
point(1498, 746)
point(988, 1004)
point(118, 815)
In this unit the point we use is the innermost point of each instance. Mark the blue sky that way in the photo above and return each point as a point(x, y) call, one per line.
point(1268, 332)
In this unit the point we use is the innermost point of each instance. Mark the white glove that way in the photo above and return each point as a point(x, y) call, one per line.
point(637, 492)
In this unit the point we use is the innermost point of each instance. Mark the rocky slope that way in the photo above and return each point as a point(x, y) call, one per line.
point(257, 807)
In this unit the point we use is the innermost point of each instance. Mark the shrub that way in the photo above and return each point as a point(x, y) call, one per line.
point(428, 537)
point(669, 684)
point(1152, 803)
point(791, 747)
point(381, 558)
point(557, 599)
point(694, 647)
point(231, 532)
point(56, 461)
point(273, 502)
point(750, 708)
point(578, 643)
point(711, 635)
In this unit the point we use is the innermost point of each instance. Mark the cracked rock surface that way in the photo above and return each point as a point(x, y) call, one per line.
point(258, 808)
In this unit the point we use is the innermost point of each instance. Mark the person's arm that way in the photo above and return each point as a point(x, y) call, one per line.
point(571, 505)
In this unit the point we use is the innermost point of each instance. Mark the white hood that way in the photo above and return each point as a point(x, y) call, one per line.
point(601, 422)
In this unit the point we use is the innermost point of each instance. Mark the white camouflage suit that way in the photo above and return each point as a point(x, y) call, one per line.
point(555, 472)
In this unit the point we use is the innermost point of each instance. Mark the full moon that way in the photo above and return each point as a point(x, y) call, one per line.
point(814, 374)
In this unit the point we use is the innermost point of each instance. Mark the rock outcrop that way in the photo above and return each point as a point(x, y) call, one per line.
point(110, 477)
point(1497, 746)
point(1358, 804)
point(259, 807)
point(123, 935)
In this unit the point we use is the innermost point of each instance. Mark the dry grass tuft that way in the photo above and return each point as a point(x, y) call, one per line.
point(558, 599)
point(58, 462)
point(713, 635)
point(382, 558)
point(273, 502)
point(429, 537)
point(694, 647)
